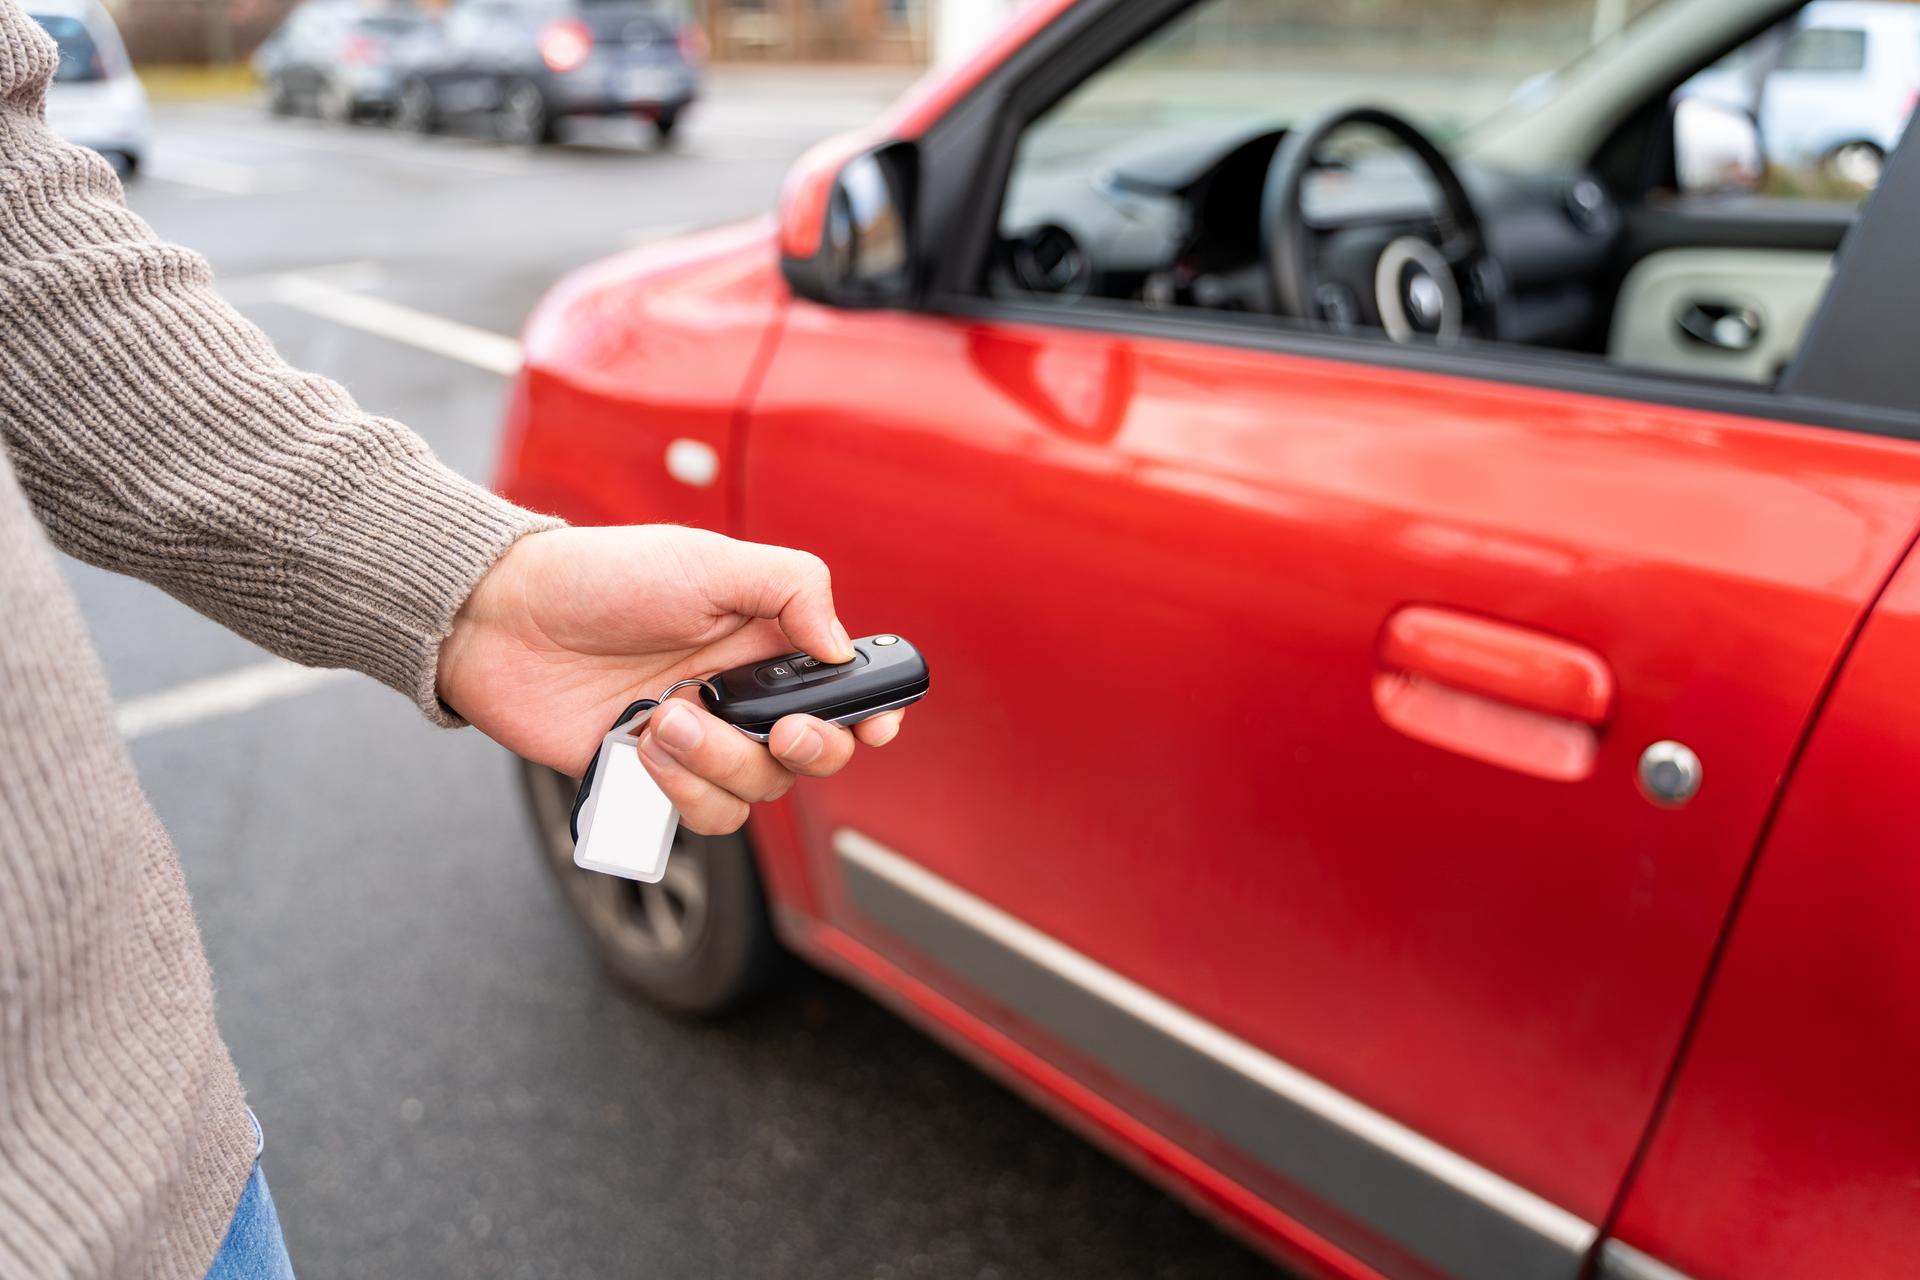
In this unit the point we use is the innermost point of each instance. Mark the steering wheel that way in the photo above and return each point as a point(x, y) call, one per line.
point(1437, 286)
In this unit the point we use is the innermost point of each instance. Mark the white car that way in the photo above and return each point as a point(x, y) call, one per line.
point(96, 101)
point(1832, 92)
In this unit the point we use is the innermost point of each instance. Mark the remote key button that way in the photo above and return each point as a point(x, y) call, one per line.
point(777, 674)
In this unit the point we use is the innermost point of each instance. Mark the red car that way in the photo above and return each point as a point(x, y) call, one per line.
point(1425, 648)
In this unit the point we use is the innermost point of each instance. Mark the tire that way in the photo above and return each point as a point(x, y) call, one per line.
point(334, 103)
point(279, 97)
point(1857, 164)
point(524, 118)
point(664, 125)
point(414, 109)
point(697, 945)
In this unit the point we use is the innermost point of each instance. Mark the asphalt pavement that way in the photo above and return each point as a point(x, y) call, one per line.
point(449, 1085)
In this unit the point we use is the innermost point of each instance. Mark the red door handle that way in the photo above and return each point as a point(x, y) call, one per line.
point(1495, 692)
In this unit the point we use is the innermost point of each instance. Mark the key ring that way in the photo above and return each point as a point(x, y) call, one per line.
point(678, 685)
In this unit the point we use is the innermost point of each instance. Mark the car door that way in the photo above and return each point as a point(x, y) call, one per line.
point(1822, 91)
point(1280, 781)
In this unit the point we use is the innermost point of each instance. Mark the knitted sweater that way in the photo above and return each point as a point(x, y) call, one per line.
point(150, 429)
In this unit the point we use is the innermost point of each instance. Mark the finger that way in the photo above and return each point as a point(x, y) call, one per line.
point(702, 745)
point(703, 807)
point(813, 747)
point(790, 586)
point(880, 730)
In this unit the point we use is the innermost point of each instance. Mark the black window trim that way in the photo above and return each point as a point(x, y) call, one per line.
point(967, 155)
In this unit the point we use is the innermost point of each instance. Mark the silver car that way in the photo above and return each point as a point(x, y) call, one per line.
point(95, 100)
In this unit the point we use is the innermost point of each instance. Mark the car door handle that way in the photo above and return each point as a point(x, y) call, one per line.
point(1495, 692)
point(1724, 326)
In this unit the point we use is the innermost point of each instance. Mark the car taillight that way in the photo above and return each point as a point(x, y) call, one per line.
point(693, 44)
point(359, 50)
point(565, 45)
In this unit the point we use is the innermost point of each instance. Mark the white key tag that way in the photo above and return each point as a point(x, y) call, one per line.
point(623, 824)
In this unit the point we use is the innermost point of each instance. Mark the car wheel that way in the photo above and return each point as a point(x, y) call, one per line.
point(697, 944)
point(525, 120)
point(1858, 164)
point(414, 110)
point(279, 96)
point(664, 125)
point(336, 103)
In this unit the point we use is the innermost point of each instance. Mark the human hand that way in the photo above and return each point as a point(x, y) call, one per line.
point(571, 625)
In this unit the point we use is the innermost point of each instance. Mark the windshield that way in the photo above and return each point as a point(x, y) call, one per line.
point(79, 59)
point(1247, 64)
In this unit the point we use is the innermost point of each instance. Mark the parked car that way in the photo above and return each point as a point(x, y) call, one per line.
point(96, 100)
point(529, 64)
point(1422, 634)
point(342, 60)
point(1833, 93)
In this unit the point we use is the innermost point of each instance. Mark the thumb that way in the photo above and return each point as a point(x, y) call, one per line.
point(790, 586)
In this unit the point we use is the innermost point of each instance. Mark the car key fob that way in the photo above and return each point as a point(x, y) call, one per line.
point(886, 673)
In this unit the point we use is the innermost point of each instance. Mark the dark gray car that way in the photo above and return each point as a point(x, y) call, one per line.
point(342, 60)
point(528, 64)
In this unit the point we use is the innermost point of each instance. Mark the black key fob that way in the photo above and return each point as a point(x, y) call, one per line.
point(886, 672)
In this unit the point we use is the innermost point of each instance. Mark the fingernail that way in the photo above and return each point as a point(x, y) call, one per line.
point(679, 728)
point(656, 753)
point(806, 748)
point(840, 634)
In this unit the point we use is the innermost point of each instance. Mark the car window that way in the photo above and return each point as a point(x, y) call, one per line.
point(1828, 117)
point(467, 24)
point(1149, 185)
point(621, 24)
point(79, 59)
point(1825, 49)
point(1227, 71)
point(392, 27)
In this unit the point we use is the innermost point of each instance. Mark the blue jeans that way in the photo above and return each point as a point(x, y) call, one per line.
point(254, 1248)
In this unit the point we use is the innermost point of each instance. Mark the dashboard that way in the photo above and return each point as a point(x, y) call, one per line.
point(1172, 218)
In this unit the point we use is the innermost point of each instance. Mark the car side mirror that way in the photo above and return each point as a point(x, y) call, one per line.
point(846, 224)
point(1716, 148)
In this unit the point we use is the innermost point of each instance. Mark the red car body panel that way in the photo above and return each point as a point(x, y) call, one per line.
point(1307, 696)
point(666, 338)
point(1791, 1146)
point(1209, 541)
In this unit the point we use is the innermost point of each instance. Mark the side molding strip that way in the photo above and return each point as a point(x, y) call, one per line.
point(1621, 1261)
point(1465, 1220)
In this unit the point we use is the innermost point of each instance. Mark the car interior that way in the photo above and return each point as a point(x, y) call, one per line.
point(1460, 189)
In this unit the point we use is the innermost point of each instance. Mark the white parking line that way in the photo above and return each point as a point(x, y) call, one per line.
point(317, 295)
point(468, 155)
point(222, 177)
point(223, 695)
point(361, 274)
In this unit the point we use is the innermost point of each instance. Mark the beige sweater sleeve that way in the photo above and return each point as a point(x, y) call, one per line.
point(156, 432)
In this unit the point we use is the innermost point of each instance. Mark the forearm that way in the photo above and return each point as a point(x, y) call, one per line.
point(157, 432)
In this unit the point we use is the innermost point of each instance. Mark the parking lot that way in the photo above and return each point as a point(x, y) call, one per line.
point(448, 1085)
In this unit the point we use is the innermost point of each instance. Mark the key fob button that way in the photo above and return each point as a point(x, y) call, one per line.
point(879, 678)
point(884, 641)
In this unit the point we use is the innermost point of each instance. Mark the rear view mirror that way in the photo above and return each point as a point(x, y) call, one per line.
point(1716, 148)
point(846, 225)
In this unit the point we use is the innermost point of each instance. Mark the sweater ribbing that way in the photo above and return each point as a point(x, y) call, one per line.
point(149, 428)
